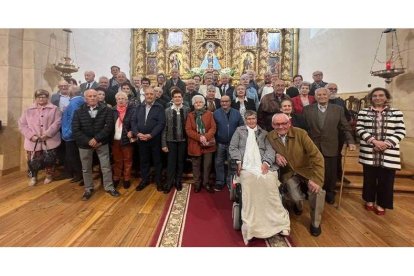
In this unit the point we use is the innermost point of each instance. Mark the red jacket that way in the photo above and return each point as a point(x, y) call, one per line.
point(297, 103)
point(194, 145)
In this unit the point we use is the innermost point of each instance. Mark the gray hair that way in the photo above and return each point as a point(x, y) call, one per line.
point(75, 90)
point(320, 89)
point(198, 97)
point(250, 113)
point(211, 87)
point(305, 83)
point(121, 93)
point(280, 115)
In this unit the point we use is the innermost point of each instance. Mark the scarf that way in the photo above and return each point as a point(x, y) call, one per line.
point(201, 129)
point(121, 111)
point(252, 161)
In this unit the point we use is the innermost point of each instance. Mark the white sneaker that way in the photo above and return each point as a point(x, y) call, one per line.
point(32, 181)
point(48, 179)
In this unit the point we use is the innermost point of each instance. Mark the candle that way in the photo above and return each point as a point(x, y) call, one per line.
point(388, 65)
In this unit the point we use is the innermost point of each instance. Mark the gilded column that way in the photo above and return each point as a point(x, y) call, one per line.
point(236, 51)
point(161, 52)
point(186, 52)
point(287, 57)
point(295, 51)
point(139, 52)
point(264, 54)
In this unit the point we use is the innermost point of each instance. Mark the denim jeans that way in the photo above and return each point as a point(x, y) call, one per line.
point(222, 154)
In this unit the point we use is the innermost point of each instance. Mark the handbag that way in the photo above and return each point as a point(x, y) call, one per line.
point(35, 163)
point(49, 157)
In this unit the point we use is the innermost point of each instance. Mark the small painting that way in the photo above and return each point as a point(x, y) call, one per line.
point(152, 43)
point(274, 42)
point(151, 66)
point(175, 39)
point(248, 39)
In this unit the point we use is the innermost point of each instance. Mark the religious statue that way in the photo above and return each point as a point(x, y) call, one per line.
point(175, 62)
point(247, 62)
point(210, 60)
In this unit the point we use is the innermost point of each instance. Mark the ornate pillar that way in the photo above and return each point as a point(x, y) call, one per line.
point(186, 52)
point(286, 54)
point(263, 54)
point(236, 51)
point(139, 50)
point(161, 67)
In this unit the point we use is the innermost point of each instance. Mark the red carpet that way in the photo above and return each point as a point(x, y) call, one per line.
point(202, 220)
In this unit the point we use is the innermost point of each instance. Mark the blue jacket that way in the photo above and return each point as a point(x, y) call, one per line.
point(154, 124)
point(226, 126)
point(67, 117)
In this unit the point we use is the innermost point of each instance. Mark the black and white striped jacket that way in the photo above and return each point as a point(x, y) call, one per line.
point(392, 132)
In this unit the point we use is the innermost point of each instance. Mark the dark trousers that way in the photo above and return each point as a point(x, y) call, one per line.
point(330, 176)
point(73, 165)
point(148, 149)
point(204, 161)
point(175, 164)
point(378, 186)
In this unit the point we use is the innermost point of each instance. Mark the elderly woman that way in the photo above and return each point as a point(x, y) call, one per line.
point(381, 129)
point(304, 99)
point(295, 119)
point(173, 140)
point(40, 126)
point(200, 128)
point(263, 214)
point(122, 149)
point(242, 103)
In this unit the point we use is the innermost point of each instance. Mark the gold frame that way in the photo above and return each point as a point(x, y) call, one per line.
point(227, 39)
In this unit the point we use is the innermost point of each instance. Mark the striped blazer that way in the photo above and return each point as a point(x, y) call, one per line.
point(392, 131)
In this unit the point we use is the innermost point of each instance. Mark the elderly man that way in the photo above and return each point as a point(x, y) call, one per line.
point(61, 97)
point(270, 104)
point(225, 87)
point(93, 127)
point(317, 82)
point(103, 82)
point(300, 162)
point(251, 92)
point(90, 81)
point(191, 91)
point(208, 80)
point(114, 71)
point(324, 122)
point(175, 80)
point(147, 125)
point(110, 95)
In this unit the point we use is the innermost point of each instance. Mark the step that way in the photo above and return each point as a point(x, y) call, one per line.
point(400, 184)
point(353, 167)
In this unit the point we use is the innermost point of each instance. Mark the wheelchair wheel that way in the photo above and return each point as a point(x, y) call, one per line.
point(236, 214)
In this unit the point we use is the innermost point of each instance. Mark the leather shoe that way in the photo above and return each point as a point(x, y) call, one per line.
point(116, 183)
point(315, 231)
point(197, 189)
point(159, 187)
point(179, 186)
point(76, 179)
point(166, 190)
point(369, 207)
point(127, 184)
point(330, 201)
point(379, 212)
point(113, 193)
point(87, 195)
point(82, 183)
point(296, 210)
point(141, 186)
point(62, 176)
point(209, 189)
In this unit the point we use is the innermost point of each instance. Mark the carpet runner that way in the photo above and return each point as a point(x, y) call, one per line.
point(203, 220)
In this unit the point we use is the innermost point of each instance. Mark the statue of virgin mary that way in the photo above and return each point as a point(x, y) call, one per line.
point(210, 59)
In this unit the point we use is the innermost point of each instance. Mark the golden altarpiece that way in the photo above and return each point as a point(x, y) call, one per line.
point(194, 51)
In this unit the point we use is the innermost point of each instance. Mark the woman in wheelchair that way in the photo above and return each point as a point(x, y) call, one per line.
point(263, 214)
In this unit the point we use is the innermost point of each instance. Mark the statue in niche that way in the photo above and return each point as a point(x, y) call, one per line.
point(247, 62)
point(210, 60)
point(175, 61)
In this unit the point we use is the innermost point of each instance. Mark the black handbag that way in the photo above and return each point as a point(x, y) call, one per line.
point(35, 163)
point(49, 157)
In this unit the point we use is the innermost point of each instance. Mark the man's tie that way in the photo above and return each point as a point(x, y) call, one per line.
point(87, 85)
point(224, 89)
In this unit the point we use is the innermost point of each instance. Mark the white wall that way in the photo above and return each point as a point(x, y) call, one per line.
point(99, 49)
point(344, 56)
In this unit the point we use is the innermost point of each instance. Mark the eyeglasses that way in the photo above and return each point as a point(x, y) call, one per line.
point(42, 97)
point(316, 75)
point(281, 124)
point(333, 89)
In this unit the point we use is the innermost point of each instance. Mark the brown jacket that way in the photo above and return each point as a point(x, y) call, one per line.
point(302, 155)
point(194, 145)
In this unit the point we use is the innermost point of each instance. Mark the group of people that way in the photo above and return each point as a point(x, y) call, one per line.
point(278, 136)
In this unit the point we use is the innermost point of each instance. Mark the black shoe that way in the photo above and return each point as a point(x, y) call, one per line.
point(113, 193)
point(141, 186)
point(82, 183)
point(296, 210)
point(178, 185)
point(315, 231)
point(116, 183)
point(127, 184)
point(87, 195)
point(209, 189)
point(197, 189)
point(330, 201)
point(218, 188)
point(76, 179)
point(62, 176)
point(166, 190)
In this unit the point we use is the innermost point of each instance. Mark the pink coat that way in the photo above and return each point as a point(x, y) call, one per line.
point(41, 121)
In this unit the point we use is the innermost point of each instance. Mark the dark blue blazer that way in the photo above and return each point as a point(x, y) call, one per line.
point(155, 122)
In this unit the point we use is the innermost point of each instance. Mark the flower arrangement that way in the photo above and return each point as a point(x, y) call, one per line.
point(199, 71)
point(229, 71)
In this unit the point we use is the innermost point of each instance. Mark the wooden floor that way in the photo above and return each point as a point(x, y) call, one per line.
point(54, 215)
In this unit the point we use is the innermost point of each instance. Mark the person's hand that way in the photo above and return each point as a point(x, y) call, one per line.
point(281, 160)
point(380, 145)
point(43, 138)
point(265, 168)
point(92, 142)
point(164, 149)
point(352, 147)
point(129, 134)
point(98, 145)
point(203, 140)
point(313, 187)
point(34, 138)
point(239, 167)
